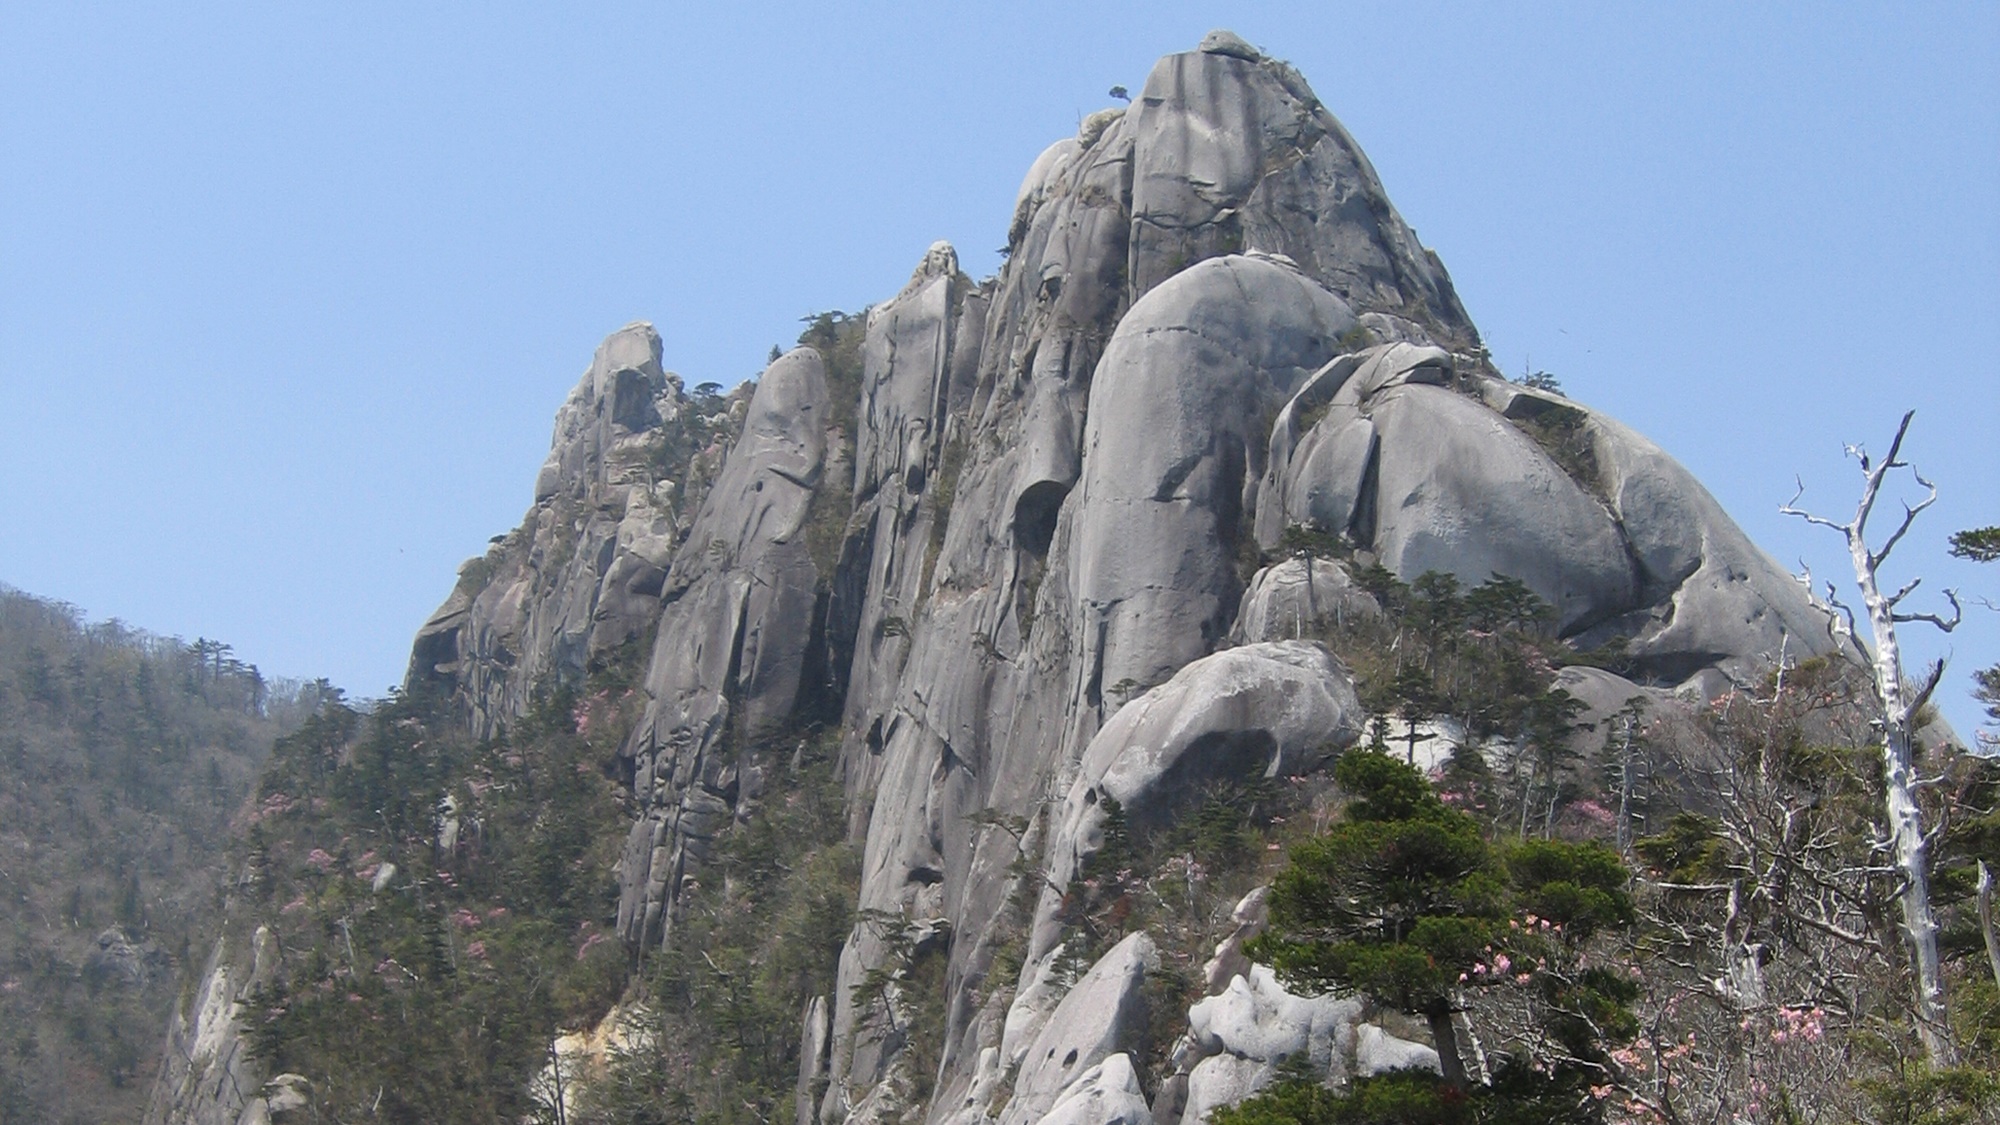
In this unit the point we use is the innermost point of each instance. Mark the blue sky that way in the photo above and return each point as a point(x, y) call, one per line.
point(289, 293)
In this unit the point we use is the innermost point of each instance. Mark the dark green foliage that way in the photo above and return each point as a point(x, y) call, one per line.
point(1406, 902)
point(760, 937)
point(1915, 1095)
point(1395, 902)
point(1226, 826)
point(839, 337)
point(1564, 434)
point(1516, 1096)
point(440, 994)
point(1502, 604)
point(1579, 885)
point(1691, 850)
point(1487, 658)
point(123, 756)
point(1311, 539)
point(1218, 839)
point(1382, 584)
point(1398, 1098)
point(1981, 544)
point(1436, 611)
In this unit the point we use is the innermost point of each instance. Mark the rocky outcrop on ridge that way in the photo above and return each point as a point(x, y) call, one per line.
point(1038, 562)
point(583, 573)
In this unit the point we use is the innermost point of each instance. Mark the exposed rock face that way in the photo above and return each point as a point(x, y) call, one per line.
point(1255, 711)
point(582, 573)
point(1102, 1013)
point(1106, 1094)
point(735, 623)
point(918, 368)
point(1171, 458)
point(208, 1077)
point(1377, 1052)
point(1433, 468)
point(1249, 1024)
point(1716, 599)
point(1233, 152)
point(120, 958)
point(1295, 597)
point(1020, 592)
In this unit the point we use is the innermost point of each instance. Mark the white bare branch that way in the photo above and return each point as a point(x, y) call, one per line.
point(1903, 819)
point(1909, 514)
point(1845, 612)
point(1791, 508)
point(1937, 620)
point(1931, 681)
point(1905, 592)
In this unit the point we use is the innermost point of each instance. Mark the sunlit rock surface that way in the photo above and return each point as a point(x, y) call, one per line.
point(1063, 537)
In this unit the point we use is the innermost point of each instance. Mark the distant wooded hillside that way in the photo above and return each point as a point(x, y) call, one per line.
point(123, 756)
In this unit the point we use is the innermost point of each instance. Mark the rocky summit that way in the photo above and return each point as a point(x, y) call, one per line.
point(1047, 561)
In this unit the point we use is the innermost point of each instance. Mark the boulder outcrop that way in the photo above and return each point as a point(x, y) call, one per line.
point(1101, 1016)
point(1251, 712)
point(1401, 453)
point(582, 574)
point(1063, 539)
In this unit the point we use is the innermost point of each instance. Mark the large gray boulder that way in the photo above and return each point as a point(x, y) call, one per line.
point(1255, 1017)
point(1460, 490)
point(1102, 1015)
point(1375, 447)
point(1249, 712)
point(1223, 1080)
point(1319, 469)
point(1173, 454)
point(1432, 467)
point(1106, 1094)
point(1378, 1052)
point(1716, 599)
point(1296, 598)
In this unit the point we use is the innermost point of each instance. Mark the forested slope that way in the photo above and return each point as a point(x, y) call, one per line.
point(124, 759)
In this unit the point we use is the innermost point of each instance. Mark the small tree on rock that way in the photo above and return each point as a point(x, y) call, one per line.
point(1406, 902)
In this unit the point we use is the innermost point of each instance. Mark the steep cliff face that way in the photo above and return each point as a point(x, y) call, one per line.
point(582, 575)
point(1039, 562)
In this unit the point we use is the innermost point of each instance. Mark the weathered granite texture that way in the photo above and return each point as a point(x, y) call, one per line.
point(207, 1077)
point(1429, 467)
point(736, 619)
point(1033, 557)
point(582, 574)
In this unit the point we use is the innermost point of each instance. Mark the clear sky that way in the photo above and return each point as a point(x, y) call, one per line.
point(289, 293)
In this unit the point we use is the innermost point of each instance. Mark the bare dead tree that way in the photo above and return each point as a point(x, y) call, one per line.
point(1899, 708)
